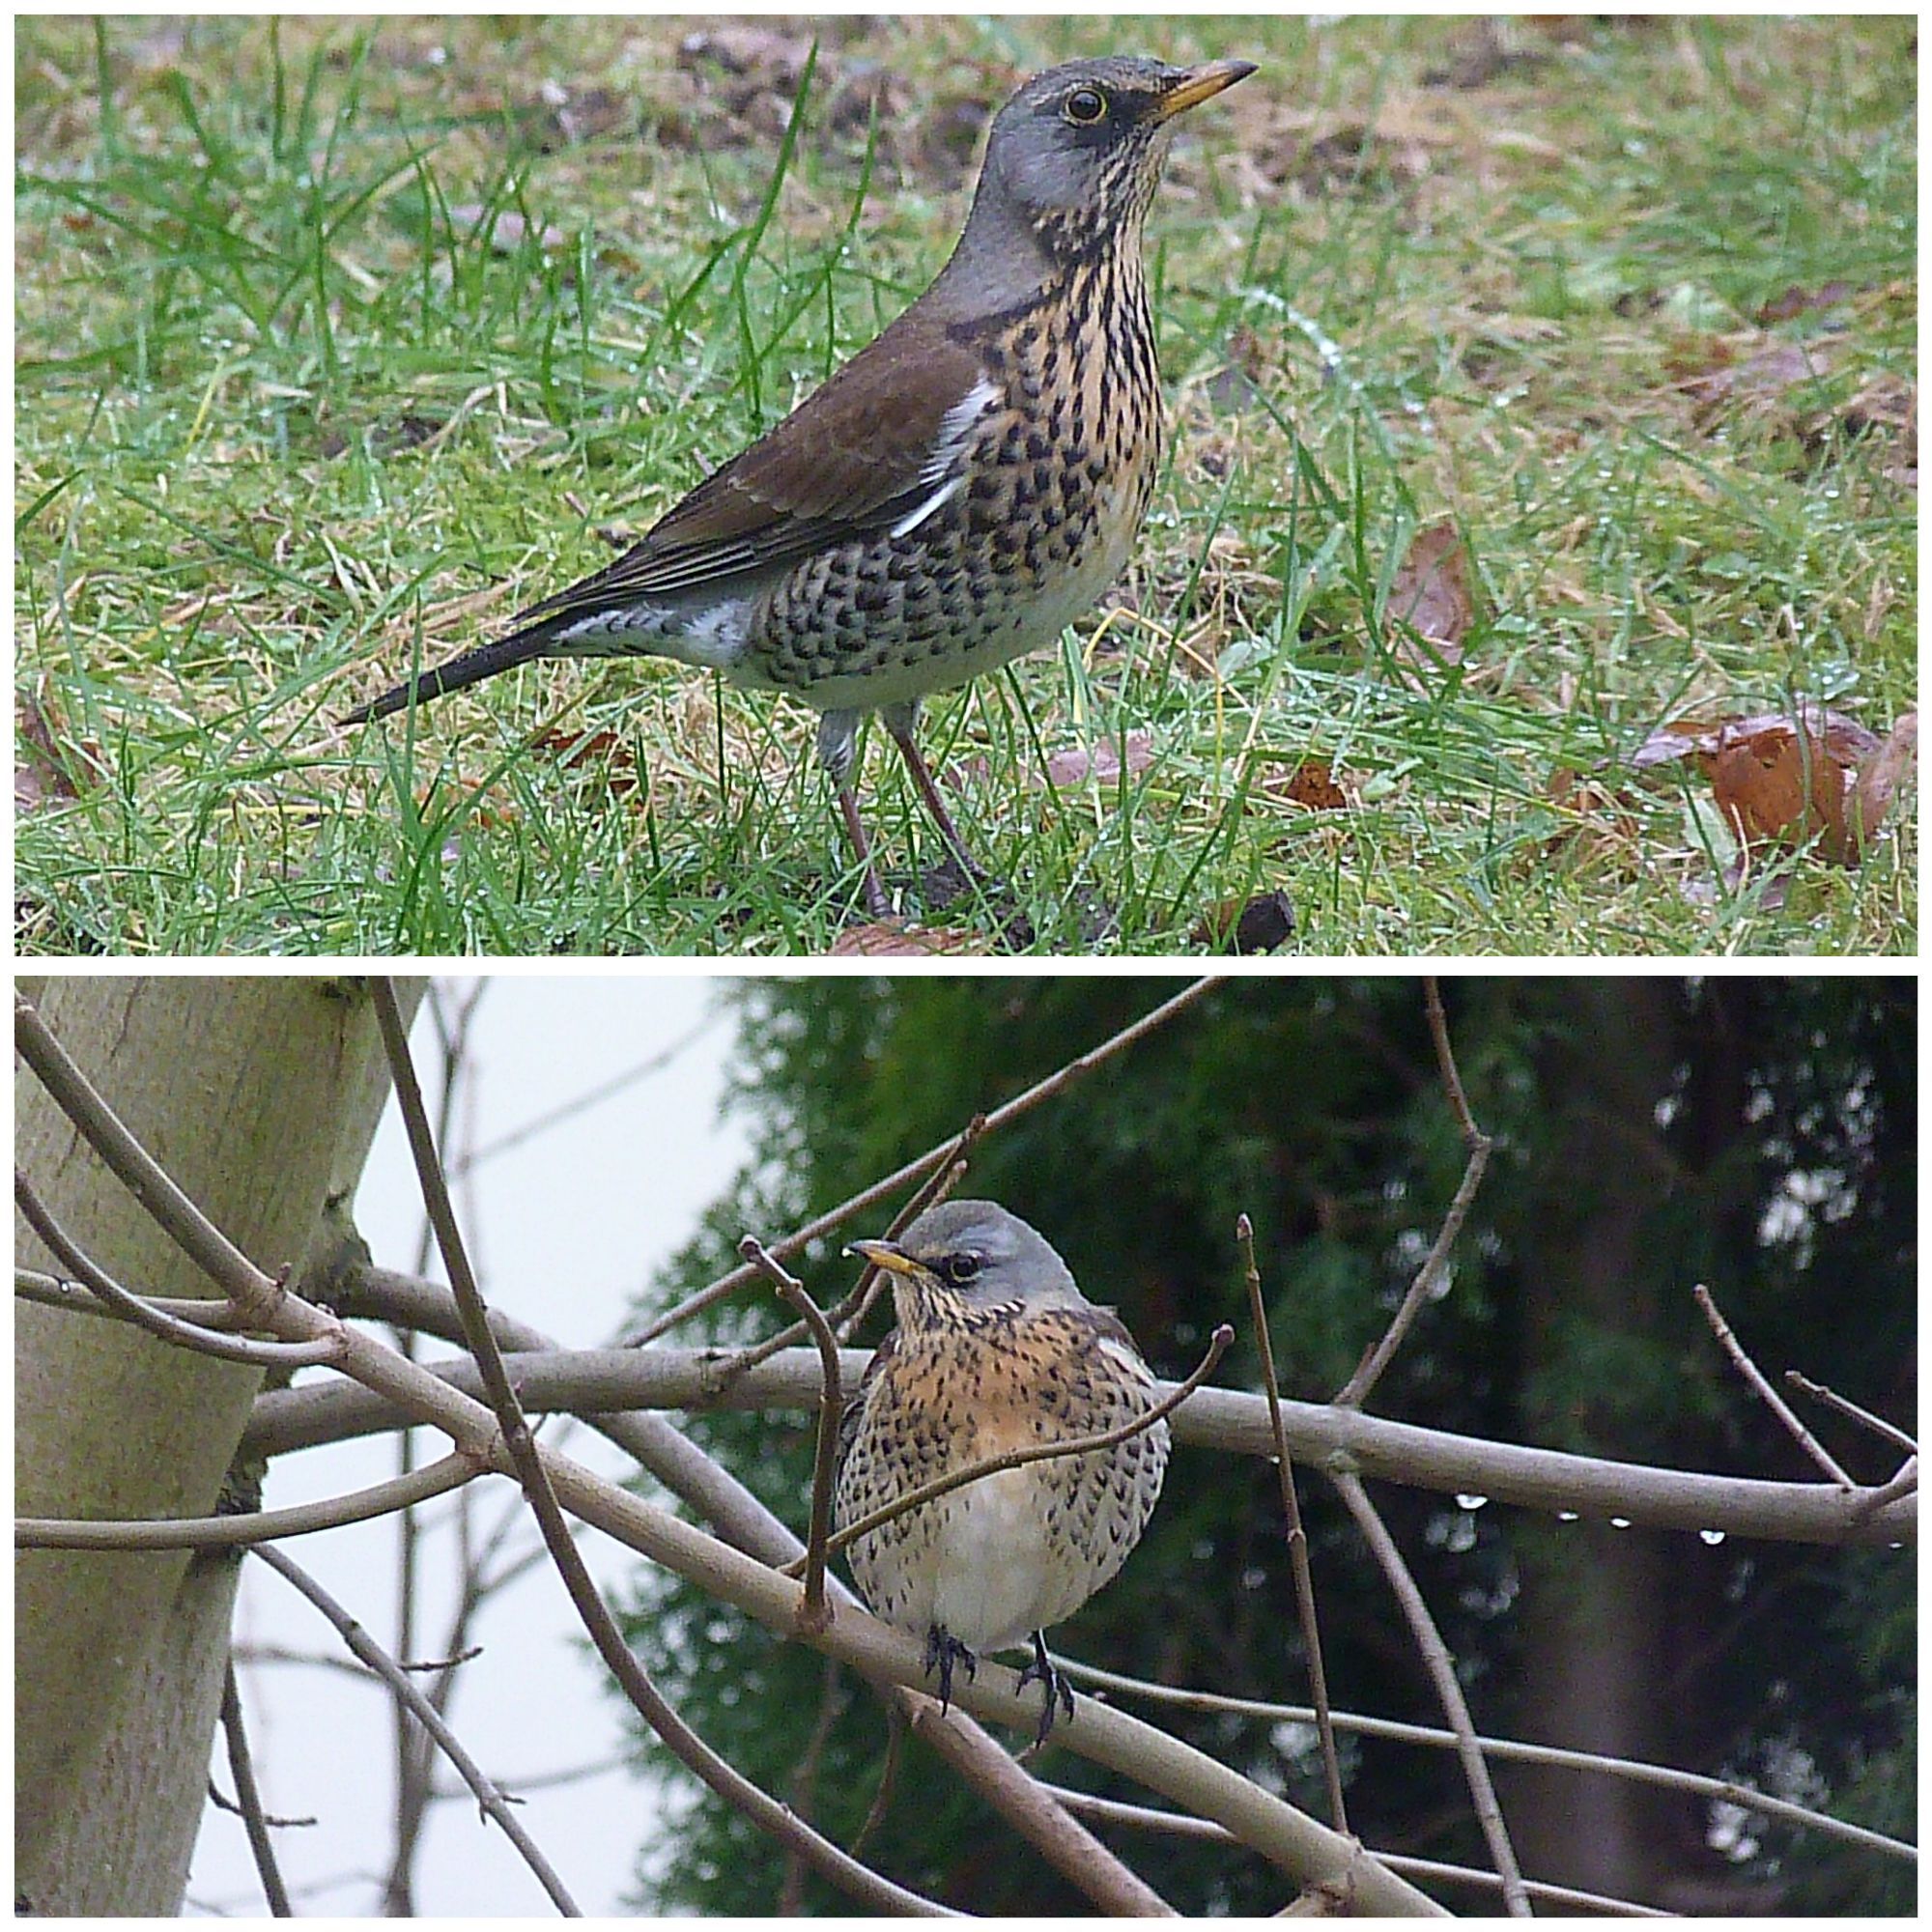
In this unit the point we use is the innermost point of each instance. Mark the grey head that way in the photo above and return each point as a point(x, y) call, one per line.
point(1073, 162)
point(983, 1255)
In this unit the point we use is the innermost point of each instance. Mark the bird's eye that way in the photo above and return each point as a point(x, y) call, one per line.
point(1084, 106)
point(959, 1267)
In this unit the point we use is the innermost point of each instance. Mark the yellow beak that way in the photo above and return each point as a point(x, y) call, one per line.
point(1203, 83)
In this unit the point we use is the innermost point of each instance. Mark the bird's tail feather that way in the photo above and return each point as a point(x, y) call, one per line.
point(534, 640)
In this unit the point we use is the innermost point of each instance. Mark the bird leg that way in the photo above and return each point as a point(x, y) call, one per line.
point(1058, 1690)
point(838, 747)
point(877, 903)
point(898, 722)
point(943, 1650)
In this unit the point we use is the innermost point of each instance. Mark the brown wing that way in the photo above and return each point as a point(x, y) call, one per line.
point(850, 459)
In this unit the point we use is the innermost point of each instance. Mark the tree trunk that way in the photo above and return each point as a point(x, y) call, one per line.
point(260, 1096)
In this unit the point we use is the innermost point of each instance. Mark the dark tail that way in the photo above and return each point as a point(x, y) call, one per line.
point(471, 667)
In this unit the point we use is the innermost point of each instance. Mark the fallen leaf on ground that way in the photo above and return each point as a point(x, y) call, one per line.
point(1796, 301)
point(1431, 594)
point(888, 939)
point(1788, 777)
point(1312, 783)
point(41, 771)
point(605, 751)
point(1102, 762)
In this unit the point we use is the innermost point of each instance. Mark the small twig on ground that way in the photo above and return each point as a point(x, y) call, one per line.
point(1021, 1103)
point(1442, 1672)
point(495, 1803)
point(1768, 1396)
point(685, 1744)
point(1355, 1391)
point(1832, 1399)
point(814, 1613)
point(248, 1798)
point(1017, 1459)
point(1297, 1536)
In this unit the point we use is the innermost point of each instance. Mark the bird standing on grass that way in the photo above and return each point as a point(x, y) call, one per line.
point(956, 494)
point(996, 1349)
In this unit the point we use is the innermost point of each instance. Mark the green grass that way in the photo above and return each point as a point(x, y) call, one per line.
point(339, 342)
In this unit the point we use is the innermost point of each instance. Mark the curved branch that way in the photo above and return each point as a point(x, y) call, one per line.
point(219, 1532)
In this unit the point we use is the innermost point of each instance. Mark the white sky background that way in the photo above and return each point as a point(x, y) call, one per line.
point(564, 1229)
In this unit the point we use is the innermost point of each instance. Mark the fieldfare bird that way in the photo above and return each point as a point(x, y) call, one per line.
point(996, 1349)
point(956, 494)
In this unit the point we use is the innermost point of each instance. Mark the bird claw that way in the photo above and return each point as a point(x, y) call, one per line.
point(1059, 1692)
point(943, 1650)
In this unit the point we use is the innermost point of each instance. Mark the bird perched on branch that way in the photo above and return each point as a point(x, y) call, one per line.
point(956, 494)
point(996, 1349)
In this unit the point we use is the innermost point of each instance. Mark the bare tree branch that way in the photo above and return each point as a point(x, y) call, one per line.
point(1818, 1392)
point(595, 1381)
point(1442, 1673)
point(183, 1334)
point(227, 1532)
point(495, 1805)
point(1757, 1379)
point(1297, 1536)
point(814, 1613)
point(1509, 1751)
point(249, 1799)
point(1354, 1393)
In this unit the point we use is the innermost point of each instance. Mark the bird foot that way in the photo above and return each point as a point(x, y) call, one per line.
point(943, 1650)
point(1059, 1692)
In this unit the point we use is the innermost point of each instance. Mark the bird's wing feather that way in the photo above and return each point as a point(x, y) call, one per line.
point(854, 458)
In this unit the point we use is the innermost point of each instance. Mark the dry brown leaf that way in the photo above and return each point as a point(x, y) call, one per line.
point(1785, 778)
point(1765, 379)
point(1101, 761)
point(1312, 783)
point(42, 772)
point(1879, 776)
point(890, 939)
point(1431, 594)
point(1796, 301)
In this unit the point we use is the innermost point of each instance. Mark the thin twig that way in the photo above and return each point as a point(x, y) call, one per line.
point(1018, 1459)
point(495, 1805)
point(1355, 1391)
point(1442, 1672)
point(834, 1218)
point(851, 1311)
point(228, 1532)
point(1832, 1399)
point(683, 1743)
point(53, 1290)
point(172, 1328)
point(815, 1611)
point(1506, 1750)
point(889, 1773)
point(1297, 1536)
point(248, 1797)
point(1183, 1825)
point(1768, 1396)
